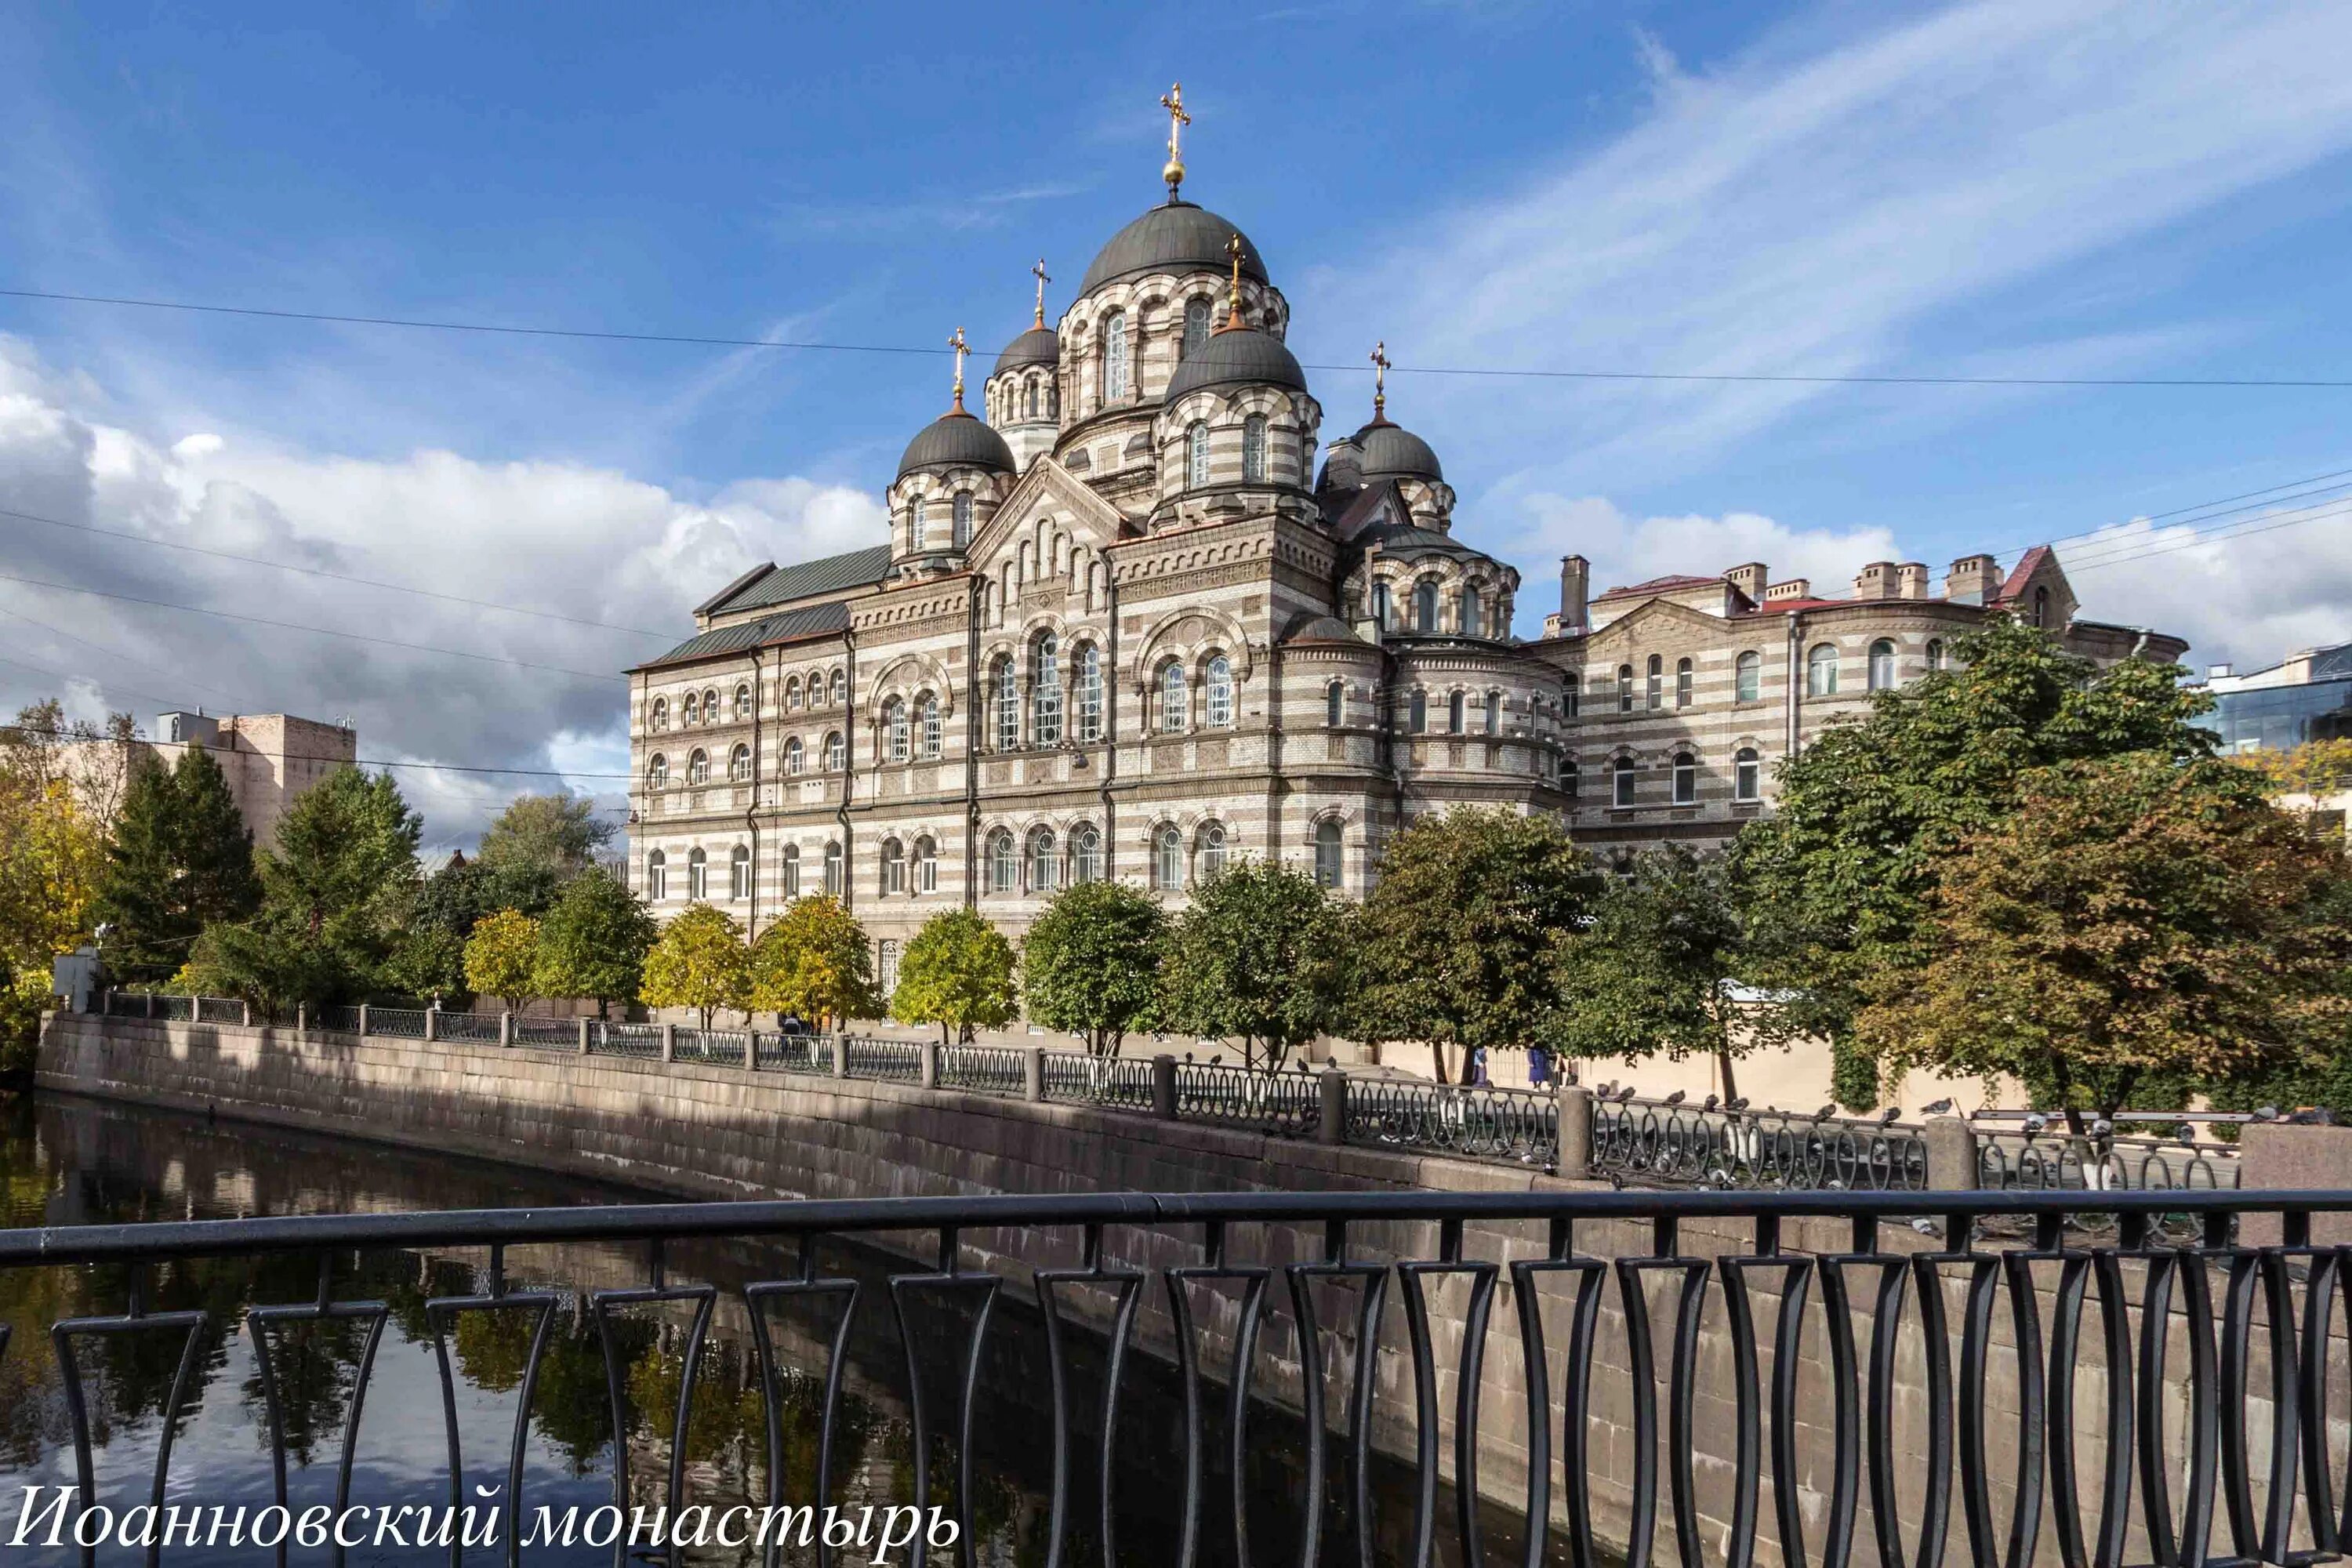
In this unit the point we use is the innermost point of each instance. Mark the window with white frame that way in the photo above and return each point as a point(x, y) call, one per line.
point(1175, 705)
point(1935, 661)
point(1220, 691)
point(1196, 323)
point(711, 714)
point(1089, 693)
point(894, 867)
point(1685, 779)
point(926, 865)
point(1327, 854)
point(791, 870)
point(739, 765)
point(836, 752)
point(927, 708)
point(1008, 703)
point(1746, 775)
point(1045, 692)
point(898, 733)
point(1045, 863)
point(791, 693)
point(1882, 664)
point(838, 689)
point(1003, 866)
point(885, 964)
point(1682, 683)
point(795, 755)
point(658, 717)
point(1254, 449)
point(697, 766)
point(697, 874)
point(1196, 454)
point(1821, 670)
point(1114, 357)
point(1623, 768)
point(1213, 849)
point(739, 873)
point(1747, 678)
point(657, 876)
point(1167, 859)
point(743, 704)
point(1653, 684)
point(686, 705)
point(1085, 853)
point(1624, 688)
point(833, 868)
point(657, 771)
point(917, 524)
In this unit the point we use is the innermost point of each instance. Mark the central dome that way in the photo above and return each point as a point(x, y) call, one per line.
point(1175, 237)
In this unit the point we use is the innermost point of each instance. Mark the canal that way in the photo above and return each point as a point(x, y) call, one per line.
point(66, 1161)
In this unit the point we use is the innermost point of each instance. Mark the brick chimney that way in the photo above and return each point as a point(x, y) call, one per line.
point(1911, 580)
point(1575, 589)
point(1794, 588)
point(1748, 580)
point(1876, 581)
point(1973, 579)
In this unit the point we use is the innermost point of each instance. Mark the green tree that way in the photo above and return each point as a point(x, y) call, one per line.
point(1457, 942)
point(1649, 974)
point(957, 973)
point(180, 858)
point(698, 961)
point(814, 962)
point(2133, 916)
point(1091, 963)
point(1257, 957)
point(56, 798)
point(594, 940)
point(1833, 886)
point(536, 846)
point(502, 956)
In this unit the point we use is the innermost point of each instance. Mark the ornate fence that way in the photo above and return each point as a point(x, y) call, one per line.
point(2054, 1161)
point(1653, 1142)
point(1074, 1077)
point(1480, 1123)
point(889, 1061)
point(984, 1069)
point(1285, 1102)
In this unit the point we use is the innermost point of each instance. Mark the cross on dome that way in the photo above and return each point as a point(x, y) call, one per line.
point(1172, 100)
point(1380, 362)
point(1042, 278)
point(961, 349)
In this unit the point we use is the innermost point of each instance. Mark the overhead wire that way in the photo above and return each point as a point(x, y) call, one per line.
point(417, 765)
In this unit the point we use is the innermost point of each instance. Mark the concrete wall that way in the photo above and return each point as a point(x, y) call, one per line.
point(711, 1131)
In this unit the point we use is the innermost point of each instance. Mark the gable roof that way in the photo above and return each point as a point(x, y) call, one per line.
point(2021, 573)
point(793, 626)
point(827, 575)
point(1660, 585)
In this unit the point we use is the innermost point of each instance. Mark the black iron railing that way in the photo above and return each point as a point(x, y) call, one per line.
point(1653, 1141)
point(1481, 1122)
point(2053, 1160)
point(2197, 1341)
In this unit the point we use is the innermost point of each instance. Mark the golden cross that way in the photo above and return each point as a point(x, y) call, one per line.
point(1042, 281)
point(1380, 378)
point(1234, 299)
point(961, 349)
point(1172, 100)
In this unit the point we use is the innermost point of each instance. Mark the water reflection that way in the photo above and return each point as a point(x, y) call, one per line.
point(65, 1161)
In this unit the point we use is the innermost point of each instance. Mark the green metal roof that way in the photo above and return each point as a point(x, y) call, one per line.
point(827, 575)
point(793, 626)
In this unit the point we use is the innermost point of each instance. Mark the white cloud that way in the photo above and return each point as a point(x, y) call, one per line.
point(2248, 597)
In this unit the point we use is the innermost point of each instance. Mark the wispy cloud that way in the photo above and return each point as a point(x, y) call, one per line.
point(956, 210)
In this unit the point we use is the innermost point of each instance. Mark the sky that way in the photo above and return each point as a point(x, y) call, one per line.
point(2052, 190)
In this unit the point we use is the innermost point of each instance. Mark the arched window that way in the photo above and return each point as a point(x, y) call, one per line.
point(743, 704)
point(1453, 713)
point(917, 526)
point(833, 868)
point(1568, 779)
point(1494, 712)
point(739, 873)
point(1254, 449)
point(1424, 606)
point(1624, 688)
point(927, 713)
point(1416, 711)
point(791, 870)
point(1653, 684)
point(739, 765)
point(697, 766)
point(1175, 707)
point(1029, 400)
point(795, 755)
point(1114, 357)
point(1882, 664)
point(1381, 606)
point(1213, 850)
point(926, 865)
point(1682, 683)
point(686, 711)
point(1045, 865)
point(836, 752)
point(657, 771)
point(1748, 677)
point(1685, 779)
point(1623, 771)
point(658, 719)
point(1335, 704)
point(1167, 859)
point(1008, 702)
point(885, 965)
point(1089, 693)
point(711, 714)
point(840, 686)
point(898, 733)
point(1196, 454)
point(2041, 607)
point(1747, 775)
point(791, 693)
point(1221, 691)
point(1936, 655)
point(1571, 697)
point(1820, 670)
point(1003, 868)
point(960, 516)
point(1085, 853)
point(697, 875)
point(657, 876)
point(1196, 323)
point(1473, 614)
point(1045, 692)
point(894, 867)
point(1327, 854)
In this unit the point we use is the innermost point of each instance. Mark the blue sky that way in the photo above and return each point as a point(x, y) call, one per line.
point(2045, 189)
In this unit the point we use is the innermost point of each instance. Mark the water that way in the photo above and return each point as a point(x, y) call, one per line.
point(66, 1161)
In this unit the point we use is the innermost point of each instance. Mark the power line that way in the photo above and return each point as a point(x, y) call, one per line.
point(115, 654)
point(709, 339)
point(334, 576)
point(302, 756)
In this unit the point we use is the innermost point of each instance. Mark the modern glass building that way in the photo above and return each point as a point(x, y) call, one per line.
point(2305, 698)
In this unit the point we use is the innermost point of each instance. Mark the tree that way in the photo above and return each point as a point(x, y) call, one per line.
point(813, 961)
point(1832, 887)
point(180, 858)
point(698, 961)
point(1649, 975)
point(1091, 963)
point(594, 940)
point(536, 846)
point(2318, 767)
point(957, 973)
point(1257, 957)
point(502, 956)
point(1459, 940)
point(2134, 915)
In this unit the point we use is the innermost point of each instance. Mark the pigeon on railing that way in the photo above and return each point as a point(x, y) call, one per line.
point(1675, 1098)
point(1935, 1107)
point(1890, 1116)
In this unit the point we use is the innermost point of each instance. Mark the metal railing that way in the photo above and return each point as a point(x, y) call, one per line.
point(344, 1020)
point(2055, 1160)
point(723, 1046)
point(608, 1038)
point(553, 1034)
point(1289, 1103)
point(984, 1069)
point(801, 1053)
point(1481, 1122)
point(888, 1061)
point(478, 1027)
point(1242, 1274)
point(1653, 1142)
point(1076, 1078)
point(408, 1023)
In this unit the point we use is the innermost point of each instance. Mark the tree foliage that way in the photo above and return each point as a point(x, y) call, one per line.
point(2318, 767)
point(813, 961)
point(1257, 957)
point(957, 973)
point(535, 846)
point(55, 801)
point(502, 957)
point(1457, 942)
point(594, 940)
point(2134, 915)
point(1091, 963)
point(698, 961)
point(180, 857)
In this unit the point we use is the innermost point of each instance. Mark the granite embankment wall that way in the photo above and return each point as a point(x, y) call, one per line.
point(714, 1132)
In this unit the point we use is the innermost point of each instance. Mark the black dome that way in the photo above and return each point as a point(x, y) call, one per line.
point(956, 441)
point(1393, 452)
point(1038, 345)
point(1240, 354)
point(1177, 237)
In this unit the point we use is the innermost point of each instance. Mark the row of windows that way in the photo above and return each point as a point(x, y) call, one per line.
point(1490, 710)
point(1196, 452)
point(706, 709)
point(1112, 356)
point(739, 873)
point(1821, 666)
point(1682, 770)
point(739, 761)
point(1475, 617)
point(958, 523)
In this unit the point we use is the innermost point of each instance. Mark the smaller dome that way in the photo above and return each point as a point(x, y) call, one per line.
point(956, 441)
point(1038, 345)
point(1393, 452)
point(1236, 354)
point(1324, 628)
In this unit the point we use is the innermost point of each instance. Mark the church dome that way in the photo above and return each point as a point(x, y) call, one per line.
point(1175, 237)
point(1038, 345)
point(1236, 354)
point(956, 441)
point(1387, 451)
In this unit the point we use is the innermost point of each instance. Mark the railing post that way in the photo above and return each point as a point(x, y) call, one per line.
point(927, 1073)
point(1163, 1087)
point(1574, 1109)
point(840, 1055)
point(583, 1037)
point(363, 1030)
point(151, 1004)
point(432, 1017)
point(302, 1017)
point(669, 1042)
point(245, 1012)
point(751, 1045)
point(1331, 1125)
point(1032, 1073)
point(1951, 1154)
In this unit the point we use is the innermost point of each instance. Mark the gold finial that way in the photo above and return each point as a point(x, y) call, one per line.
point(1172, 100)
point(1379, 381)
point(961, 349)
point(1233, 295)
point(1042, 281)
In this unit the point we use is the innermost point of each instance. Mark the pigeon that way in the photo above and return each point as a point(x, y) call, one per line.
point(1890, 1116)
point(2102, 1128)
point(2266, 1113)
point(1922, 1224)
point(2036, 1122)
point(2187, 1135)
point(1736, 1106)
point(1675, 1098)
point(1936, 1107)
point(1625, 1095)
point(1825, 1113)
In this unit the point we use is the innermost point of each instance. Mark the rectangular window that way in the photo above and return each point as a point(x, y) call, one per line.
point(1747, 777)
point(1625, 784)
